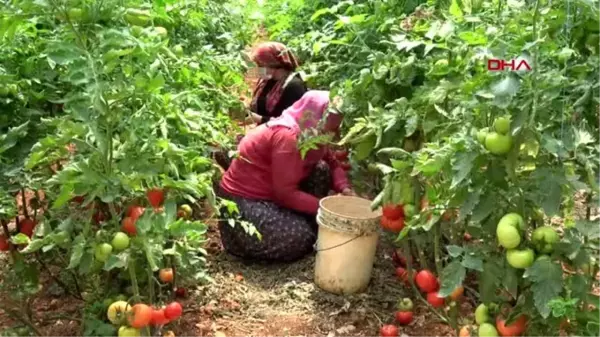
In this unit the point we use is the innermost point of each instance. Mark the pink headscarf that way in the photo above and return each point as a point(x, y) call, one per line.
point(307, 112)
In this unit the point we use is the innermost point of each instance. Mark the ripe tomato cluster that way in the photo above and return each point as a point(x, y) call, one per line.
point(426, 282)
point(136, 317)
point(393, 217)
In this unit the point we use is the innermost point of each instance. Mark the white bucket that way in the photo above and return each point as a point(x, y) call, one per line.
point(346, 244)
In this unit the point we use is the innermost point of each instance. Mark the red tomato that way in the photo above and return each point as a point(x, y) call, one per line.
point(180, 292)
point(27, 227)
point(166, 275)
point(393, 212)
point(78, 199)
point(99, 217)
point(457, 293)
point(4, 244)
point(173, 311)
point(516, 328)
point(141, 315)
point(156, 196)
point(128, 226)
point(388, 331)
point(434, 300)
point(346, 166)
point(426, 281)
point(394, 226)
point(135, 212)
point(402, 274)
point(467, 237)
point(158, 317)
point(341, 155)
point(398, 258)
point(404, 317)
point(448, 215)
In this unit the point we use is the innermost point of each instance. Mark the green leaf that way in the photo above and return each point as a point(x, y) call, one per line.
point(34, 246)
point(454, 251)
point(66, 193)
point(412, 123)
point(77, 251)
point(590, 229)
point(510, 280)
point(467, 207)
point(485, 207)
point(455, 10)
point(490, 279)
point(552, 197)
point(116, 261)
point(462, 166)
point(472, 261)
point(452, 277)
point(547, 283)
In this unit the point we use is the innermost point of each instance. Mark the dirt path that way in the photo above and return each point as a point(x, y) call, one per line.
point(258, 300)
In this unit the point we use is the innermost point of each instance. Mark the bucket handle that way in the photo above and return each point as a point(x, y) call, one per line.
point(338, 245)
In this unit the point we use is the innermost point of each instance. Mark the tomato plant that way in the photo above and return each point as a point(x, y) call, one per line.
point(493, 155)
point(105, 105)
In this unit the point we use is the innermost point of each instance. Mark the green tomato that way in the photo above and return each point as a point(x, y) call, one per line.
point(482, 314)
point(161, 32)
point(187, 210)
point(513, 219)
point(409, 210)
point(126, 331)
point(502, 125)
point(487, 330)
point(75, 14)
point(120, 241)
point(178, 50)
point(107, 302)
point(497, 143)
point(508, 236)
point(103, 251)
point(520, 258)
point(136, 31)
point(482, 134)
point(405, 304)
point(121, 298)
point(544, 239)
point(137, 17)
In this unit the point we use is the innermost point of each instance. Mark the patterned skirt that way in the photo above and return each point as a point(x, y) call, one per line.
point(286, 235)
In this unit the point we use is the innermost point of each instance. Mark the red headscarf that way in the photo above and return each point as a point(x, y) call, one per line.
point(272, 55)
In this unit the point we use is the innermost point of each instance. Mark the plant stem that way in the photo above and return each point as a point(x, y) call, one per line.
point(422, 257)
point(410, 271)
point(24, 202)
point(134, 283)
point(436, 248)
point(535, 64)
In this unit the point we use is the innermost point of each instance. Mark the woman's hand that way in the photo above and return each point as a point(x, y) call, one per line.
point(349, 192)
point(254, 118)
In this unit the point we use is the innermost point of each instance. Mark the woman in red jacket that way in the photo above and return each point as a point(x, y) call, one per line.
point(276, 189)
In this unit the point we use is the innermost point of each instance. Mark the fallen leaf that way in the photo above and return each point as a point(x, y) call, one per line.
point(169, 334)
point(345, 329)
point(220, 334)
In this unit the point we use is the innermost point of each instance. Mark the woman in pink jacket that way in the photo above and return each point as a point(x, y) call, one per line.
point(276, 189)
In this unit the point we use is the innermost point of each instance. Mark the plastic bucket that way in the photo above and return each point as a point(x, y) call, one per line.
point(346, 244)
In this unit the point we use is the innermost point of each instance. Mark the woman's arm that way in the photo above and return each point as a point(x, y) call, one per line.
point(338, 175)
point(286, 174)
